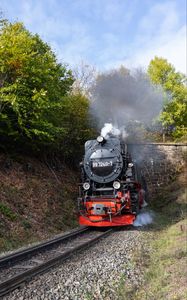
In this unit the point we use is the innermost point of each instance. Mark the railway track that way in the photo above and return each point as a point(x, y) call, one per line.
point(23, 265)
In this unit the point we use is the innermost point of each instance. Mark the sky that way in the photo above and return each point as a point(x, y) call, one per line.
point(106, 33)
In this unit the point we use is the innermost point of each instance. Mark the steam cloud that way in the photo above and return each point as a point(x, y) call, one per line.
point(110, 129)
point(119, 97)
point(143, 218)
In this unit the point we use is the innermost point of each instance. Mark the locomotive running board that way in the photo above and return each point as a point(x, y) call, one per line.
point(115, 221)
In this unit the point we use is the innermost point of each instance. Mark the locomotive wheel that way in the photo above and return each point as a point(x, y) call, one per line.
point(135, 203)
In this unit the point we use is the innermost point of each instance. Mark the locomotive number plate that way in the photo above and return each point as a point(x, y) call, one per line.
point(102, 164)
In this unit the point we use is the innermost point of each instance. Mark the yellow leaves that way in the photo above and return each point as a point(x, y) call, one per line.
point(15, 64)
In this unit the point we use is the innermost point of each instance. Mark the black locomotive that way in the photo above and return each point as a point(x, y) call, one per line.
point(110, 193)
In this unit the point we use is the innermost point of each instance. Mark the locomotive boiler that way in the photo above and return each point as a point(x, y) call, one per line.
point(110, 193)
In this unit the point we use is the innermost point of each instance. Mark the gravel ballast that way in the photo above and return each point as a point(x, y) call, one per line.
point(96, 273)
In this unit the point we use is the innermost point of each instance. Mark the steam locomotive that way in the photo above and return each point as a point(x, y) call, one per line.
point(110, 193)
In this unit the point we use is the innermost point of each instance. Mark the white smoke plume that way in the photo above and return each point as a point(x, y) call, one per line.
point(110, 129)
point(144, 218)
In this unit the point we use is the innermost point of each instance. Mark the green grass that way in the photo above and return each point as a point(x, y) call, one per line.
point(12, 242)
point(7, 212)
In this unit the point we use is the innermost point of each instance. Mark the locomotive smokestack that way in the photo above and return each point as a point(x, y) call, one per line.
point(101, 140)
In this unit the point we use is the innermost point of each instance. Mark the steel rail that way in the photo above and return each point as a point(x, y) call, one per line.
point(15, 281)
point(19, 255)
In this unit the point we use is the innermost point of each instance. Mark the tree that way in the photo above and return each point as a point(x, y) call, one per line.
point(173, 83)
point(77, 125)
point(32, 87)
point(85, 76)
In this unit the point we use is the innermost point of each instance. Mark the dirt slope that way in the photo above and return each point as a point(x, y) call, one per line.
point(36, 201)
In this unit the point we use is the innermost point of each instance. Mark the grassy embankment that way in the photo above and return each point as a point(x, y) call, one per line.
point(36, 201)
point(163, 258)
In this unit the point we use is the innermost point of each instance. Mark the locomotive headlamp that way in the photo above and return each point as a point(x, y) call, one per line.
point(116, 185)
point(86, 186)
point(100, 139)
point(130, 165)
